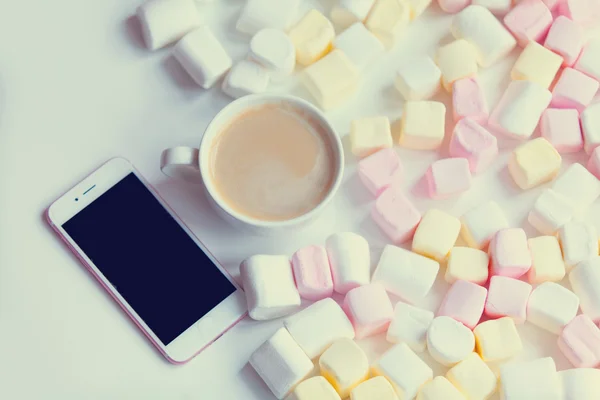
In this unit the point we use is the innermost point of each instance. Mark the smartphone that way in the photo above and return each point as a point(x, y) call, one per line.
point(148, 260)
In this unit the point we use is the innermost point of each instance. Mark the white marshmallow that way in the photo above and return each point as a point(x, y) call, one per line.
point(319, 325)
point(387, 20)
point(497, 7)
point(550, 212)
point(530, 380)
point(166, 21)
point(404, 369)
point(281, 363)
point(585, 281)
point(449, 341)
point(590, 124)
point(260, 14)
point(246, 77)
point(360, 46)
point(481, 223)
point(580, 383)
point(589, 61)
point(579, 185)
point(350, 261)
point(405, 274)
point(579, 241)
point(410, 325)
point(552, 306)
point(274, 50)
point(348, 12)
point(269, 285)
point(418, 79)
point(490, 39)
point(202, 56)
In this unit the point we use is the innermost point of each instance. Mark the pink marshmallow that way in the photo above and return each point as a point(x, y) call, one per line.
point(574, 89)
point(475, 143)
point(529, 20)
point(396, 215)
point(468, 100)
point(312, 273)
point(369, 309)
point(378, 171)
point(453, 6)
point(594, 163)
point(509, 251)
point(507, 297)
point(464, 302)
point(552, 4)
point(565, 38)
point(448, 177)
point(580, 342)
point(583, 12)
point(562, 129)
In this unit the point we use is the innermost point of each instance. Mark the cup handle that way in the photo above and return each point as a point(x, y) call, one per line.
point(181, 163)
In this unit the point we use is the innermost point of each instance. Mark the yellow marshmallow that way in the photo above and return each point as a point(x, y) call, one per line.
point(387, 20)
point(536, 64)
point(547, 260)
point(417, 7)
point(440, 388)
point(467, 264)
point(497, 339)
point(436, 234)
point(456, 60)
point(423, 125)
point(369, 135)
point(315, 388)
point(312, 36)
point(375, 388)
point(344, 365)
point(534, 163)
point(473, 378)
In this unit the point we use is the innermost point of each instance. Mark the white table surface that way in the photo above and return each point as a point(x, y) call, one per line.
point(76, 88)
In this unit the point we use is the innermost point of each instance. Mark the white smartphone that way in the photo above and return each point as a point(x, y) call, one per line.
point(148, 260)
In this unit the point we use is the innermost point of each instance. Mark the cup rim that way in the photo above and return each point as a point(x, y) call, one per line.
point(257, 100)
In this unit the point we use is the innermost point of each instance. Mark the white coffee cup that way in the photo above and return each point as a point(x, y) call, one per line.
point(192, 164)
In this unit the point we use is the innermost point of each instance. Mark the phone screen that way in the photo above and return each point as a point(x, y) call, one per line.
point(148, 257)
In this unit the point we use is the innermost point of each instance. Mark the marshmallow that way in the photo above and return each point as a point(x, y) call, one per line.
point(453, 6)
point(410, 325)
point(456, 60)
point(529, 21)
point(312, 273)
point(473, 378)
point(562, 129)
point(579, 341)
point(574, 89)
point(344, 365)
point(507, 297)
point(331, 80)
point(578, 185)
point(480, 224)
point(593, 164)
point(465, 263)
point(318, 326)
point(396, 215)
point(404, 369)
point(519, 110)
point(350, 261)
point(579, 242)
point(590, 124)
point(423, 125)
point(375, 388)
point(552, 4)
point(552, 306)
point(580, 384)
point(369, 309)
point(536, 64)
point(202, 56)
point(497, 339)
point(534, 163)
point(497, 7)
point(417, 7)
point(436, 234)
point(246, 77)
point(439, 388)
point(166, 21)
point(585, 281)
point(274, 50)
point(546, 260)
point(448, 177)
point(509, 253)
point(348, 12)
point(448, 341)
point(565, 38)
point(405, 274)
point(387, 20)
point(473, 142)
point(313, 388)
point(489, 38)
point(360, 45)
point(269, 285)
point(464, 302)
point(550, 212)
point(582, 12)
point(468, 101)
point(369, 135)
point(589, 61)
point(312, 36)
point(281, 363)
point(418, 79)
point(380, 170)
point(530, 380)
point(280, 15)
